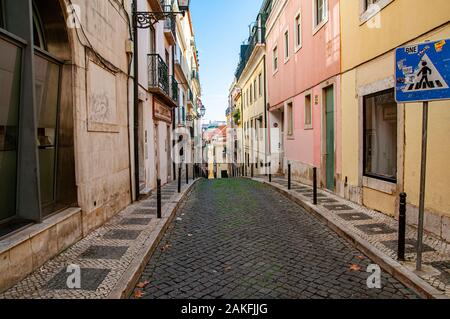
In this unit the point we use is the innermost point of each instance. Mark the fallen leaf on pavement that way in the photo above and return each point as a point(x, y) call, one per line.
point(142, 285)
point(138, 294)
point(355, 268)
point(166, 247)
point(227, 269)
point(361, 257)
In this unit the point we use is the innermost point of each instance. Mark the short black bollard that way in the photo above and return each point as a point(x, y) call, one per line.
point(270, 172)
point(193, 172)
point(289, 177)
point(187, 174)
point(179, 179)
point(158, 199)
point(252, 168)
point(174, 171)
point(402, 227)
point(315, 185)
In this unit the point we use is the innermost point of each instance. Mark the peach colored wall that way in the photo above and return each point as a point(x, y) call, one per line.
point(304, 73)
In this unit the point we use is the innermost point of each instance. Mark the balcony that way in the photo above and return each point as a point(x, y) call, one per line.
point(158, 79)
point(170, 26)
point(257, 37)
point(190, 98)
point(195, 76)
point(181, 64)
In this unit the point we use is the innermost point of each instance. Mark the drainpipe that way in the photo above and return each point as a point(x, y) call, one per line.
point(136, 103)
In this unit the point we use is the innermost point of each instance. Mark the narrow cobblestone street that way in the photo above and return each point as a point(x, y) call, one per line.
point(237, 238)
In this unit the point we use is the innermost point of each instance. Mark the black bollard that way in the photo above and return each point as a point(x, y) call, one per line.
point(315, 185)
point(158, 199)
point(289, 177)
point(402, 227)
point(179, 179)
point(270, 172)
point(252, 167)
point(187, 174)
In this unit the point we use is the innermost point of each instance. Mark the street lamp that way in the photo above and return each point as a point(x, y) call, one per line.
point(183, 5)
point(202, 111)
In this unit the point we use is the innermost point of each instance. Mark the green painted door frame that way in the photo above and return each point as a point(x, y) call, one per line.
point(329, 127)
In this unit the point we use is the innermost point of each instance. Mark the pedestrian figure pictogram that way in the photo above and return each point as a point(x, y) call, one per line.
point(424, 72)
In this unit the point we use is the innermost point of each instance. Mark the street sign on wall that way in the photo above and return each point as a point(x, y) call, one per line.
point(423, 72)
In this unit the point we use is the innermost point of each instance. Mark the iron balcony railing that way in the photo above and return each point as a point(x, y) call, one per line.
point(158, 73)
point(195, 75)
point(258, 36)
point(169, 22)
point(174, 89)
point(180, 60)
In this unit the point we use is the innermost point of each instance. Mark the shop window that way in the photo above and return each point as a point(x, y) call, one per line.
point(10, 70)
point(380, 136)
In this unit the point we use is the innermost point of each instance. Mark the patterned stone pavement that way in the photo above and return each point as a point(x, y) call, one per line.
point(381, 231)
point(238, 238)
point(103, 256)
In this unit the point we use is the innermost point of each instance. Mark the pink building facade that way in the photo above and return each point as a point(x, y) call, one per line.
point(303, 66)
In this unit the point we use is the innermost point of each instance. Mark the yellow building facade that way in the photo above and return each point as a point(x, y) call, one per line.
point(381, 152)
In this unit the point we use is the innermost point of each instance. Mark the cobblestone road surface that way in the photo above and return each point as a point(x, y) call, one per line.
point(240, 239)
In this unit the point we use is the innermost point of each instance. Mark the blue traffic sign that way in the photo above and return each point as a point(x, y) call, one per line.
point(423, 72)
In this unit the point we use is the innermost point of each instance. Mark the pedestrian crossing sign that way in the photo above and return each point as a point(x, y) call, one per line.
point(423, 72)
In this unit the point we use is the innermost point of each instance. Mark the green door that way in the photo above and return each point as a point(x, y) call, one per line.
point(329, 93)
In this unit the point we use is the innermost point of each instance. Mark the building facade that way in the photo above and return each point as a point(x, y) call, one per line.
point(303, 63)
point(251, 80)
point(64, 126)
point(72, 140)
point(382, 149)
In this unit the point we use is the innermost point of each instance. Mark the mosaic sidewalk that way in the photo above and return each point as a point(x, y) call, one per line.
point(103, 256)
point(380, 231)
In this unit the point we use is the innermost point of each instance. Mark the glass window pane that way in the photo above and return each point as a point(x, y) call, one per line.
point(47, 88)
point(10, 69)
point(380, 147)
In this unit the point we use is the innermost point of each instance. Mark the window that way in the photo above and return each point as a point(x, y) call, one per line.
point(251, 93)
point(254, 89)
point(370, 8)
point(275, 59)
point(298, 32)
point(286, 45)
point(2, 15)
point(368, 3)
point(10, 71)
point(260, 84)
point(320, 13)
point(380, 136)
point(308, 112)
point(290, 119)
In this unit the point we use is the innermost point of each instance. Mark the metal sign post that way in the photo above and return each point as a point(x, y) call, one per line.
point(423, 182)
point(422, 74)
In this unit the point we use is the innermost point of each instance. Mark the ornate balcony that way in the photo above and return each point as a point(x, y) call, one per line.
point(158, 79)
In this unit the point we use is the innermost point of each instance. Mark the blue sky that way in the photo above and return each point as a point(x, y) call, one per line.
point(220, 27)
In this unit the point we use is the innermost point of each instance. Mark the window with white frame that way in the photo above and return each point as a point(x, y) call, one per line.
point(320, 12)
point(308, 112)
point(298, 31)
point(290, 119)
point(369, 8)
point(255, 90)
point(286, 45)
point(251, 93)
point(275, 59)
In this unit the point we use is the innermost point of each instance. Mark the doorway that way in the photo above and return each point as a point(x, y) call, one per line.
point(329, 138)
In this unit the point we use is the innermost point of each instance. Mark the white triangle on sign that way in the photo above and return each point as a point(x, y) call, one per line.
point(423, 80)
